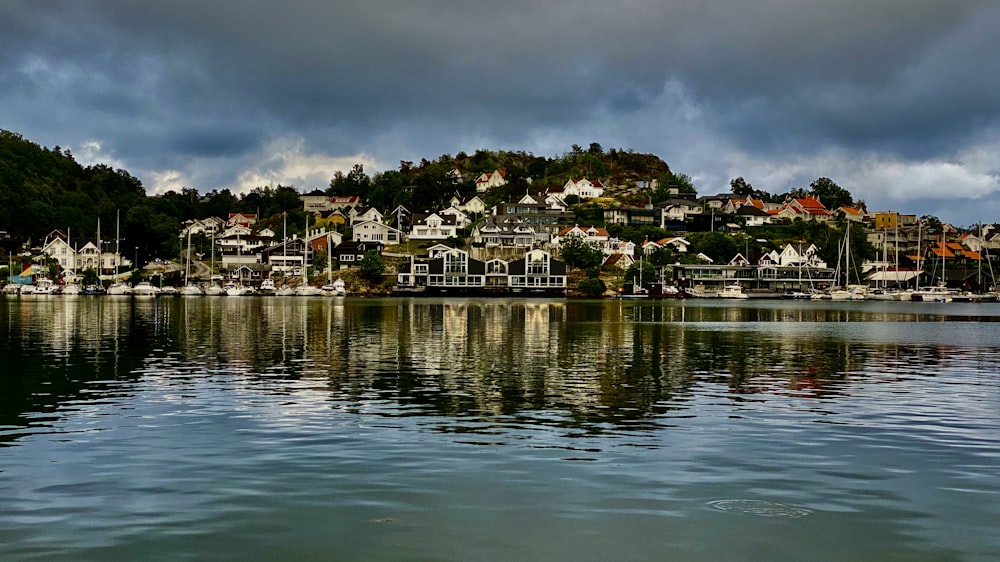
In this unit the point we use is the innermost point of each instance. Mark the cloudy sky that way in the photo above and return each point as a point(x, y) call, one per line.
point(897, 100)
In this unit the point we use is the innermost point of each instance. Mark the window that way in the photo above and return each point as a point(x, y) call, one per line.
point(537, 265)
point(454, 263)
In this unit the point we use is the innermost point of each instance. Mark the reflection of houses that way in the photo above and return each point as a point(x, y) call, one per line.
point(454, 271)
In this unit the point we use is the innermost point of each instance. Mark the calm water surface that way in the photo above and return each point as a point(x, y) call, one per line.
point(319, 429)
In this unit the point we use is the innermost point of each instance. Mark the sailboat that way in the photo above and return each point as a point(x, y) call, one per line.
point(118, 287)
point(213, 289)
point(189, 289)
point(935, 293)
point(847, 292)
point(284, 290)
point(329, 289)
point(305, 289)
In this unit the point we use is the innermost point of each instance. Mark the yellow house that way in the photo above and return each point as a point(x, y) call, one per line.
point(891, 219)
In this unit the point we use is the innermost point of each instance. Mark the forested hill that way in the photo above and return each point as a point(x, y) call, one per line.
point(428, 184)
point(42, 189)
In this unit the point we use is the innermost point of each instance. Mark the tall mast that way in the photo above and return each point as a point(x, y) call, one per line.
point(118, 242)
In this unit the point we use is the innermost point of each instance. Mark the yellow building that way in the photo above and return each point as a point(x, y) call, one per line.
point(891, 219)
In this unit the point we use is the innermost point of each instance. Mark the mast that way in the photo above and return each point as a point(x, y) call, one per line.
point(920, 260)
point(187, 270)
point(118, 241)
point(329, 260)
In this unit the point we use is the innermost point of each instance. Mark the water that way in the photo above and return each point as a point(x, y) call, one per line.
point(319, 429)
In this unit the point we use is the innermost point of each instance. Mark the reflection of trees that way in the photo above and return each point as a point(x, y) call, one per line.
point(575, 363)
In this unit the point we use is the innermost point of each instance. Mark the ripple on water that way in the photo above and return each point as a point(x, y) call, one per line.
point(762, 508)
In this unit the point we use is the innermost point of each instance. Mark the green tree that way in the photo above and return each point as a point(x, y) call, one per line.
point(830, 194)
point(640, 273)
point(577, 252)
point(717, 245)
point(741, 187)
point(591, 286)
point(372, 267)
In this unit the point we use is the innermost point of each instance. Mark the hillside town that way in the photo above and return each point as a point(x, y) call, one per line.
point(537, 244)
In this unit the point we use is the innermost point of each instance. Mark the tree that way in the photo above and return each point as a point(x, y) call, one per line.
point(831, 195)
point(741, 187)
point(372, 266)
point(591, 286)
point(577, 252)
point(716, 245)
point(683, 183)
point(640, 273)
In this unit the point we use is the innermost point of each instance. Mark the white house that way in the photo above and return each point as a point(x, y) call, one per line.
point(461, 219)
point(376, 231)
point(486, 182)
point(315, 201)
point(584, 188)
point(595, 235)
point(356, 215)
point(434, 227)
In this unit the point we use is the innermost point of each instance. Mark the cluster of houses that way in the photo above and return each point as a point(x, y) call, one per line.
point(510, 240)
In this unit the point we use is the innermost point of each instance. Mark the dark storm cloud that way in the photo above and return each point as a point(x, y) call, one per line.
point(769, 80)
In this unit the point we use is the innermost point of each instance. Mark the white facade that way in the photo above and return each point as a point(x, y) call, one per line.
point(583, 188)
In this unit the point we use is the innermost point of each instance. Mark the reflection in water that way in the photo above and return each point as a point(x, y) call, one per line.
point(264, 429)
point(591, 363)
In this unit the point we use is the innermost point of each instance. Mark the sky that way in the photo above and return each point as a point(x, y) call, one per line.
point(896, 101)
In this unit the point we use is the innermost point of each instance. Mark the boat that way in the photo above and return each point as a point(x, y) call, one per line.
point(94, 290)
point(45, 287)
point(635, 292)
point(119, 289)
point(284, 291)
point(307, 290)
point(168, 291)
point(733, 291)
point(189, 289)
point(267, 288)
point(848, 293)
point(12, 290)
point(72, 289)
point(144, 289)
point(332, 288)
point(214, 290)
point(938, 293)
point(234, 290)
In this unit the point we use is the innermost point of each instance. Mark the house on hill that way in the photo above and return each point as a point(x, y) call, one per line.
point(486, 182)
point(316, 201)
point(583, 188)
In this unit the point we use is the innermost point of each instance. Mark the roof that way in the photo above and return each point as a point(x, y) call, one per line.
point(598, 231)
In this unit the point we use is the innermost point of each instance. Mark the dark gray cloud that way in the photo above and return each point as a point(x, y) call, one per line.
point(217, 93)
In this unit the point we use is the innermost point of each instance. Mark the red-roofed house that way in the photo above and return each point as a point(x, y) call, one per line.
point(584, 188)
point(806, 208)
point(486, 182)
